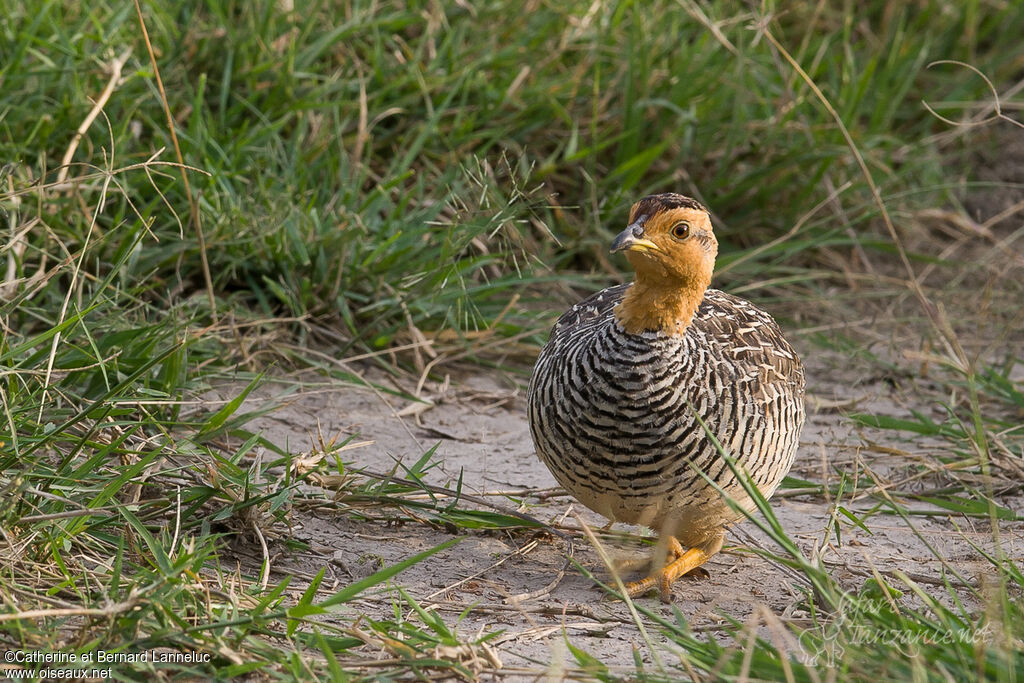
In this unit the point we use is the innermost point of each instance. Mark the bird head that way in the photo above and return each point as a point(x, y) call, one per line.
point(669, 240)
point(671, 246)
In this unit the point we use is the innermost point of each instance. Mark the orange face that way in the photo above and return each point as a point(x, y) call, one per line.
point(673, 245)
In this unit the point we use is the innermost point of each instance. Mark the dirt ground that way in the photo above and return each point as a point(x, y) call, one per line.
point(479, 428)
point(478, 424)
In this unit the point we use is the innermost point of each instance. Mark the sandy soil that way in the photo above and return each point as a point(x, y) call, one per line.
point(479, 428)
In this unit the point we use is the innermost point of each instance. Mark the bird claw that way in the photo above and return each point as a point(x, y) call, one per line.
point(681, 562)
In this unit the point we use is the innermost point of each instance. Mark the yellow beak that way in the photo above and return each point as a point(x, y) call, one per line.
point(632, 239)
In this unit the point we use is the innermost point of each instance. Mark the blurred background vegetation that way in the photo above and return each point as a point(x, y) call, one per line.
point(368, 165)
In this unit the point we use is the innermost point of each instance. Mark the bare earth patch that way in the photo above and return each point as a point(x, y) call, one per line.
point(479, 428)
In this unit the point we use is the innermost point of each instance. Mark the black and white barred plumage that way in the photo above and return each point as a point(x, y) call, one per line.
point(612, 413)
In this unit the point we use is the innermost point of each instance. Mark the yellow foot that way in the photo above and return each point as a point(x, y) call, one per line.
point(679, 562)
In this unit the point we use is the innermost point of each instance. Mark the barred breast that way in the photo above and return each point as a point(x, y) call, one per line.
point(613, 415)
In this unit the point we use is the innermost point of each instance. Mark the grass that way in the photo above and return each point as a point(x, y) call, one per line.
point(424, 186)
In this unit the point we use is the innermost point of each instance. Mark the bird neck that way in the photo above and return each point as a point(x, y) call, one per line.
point(650, 307)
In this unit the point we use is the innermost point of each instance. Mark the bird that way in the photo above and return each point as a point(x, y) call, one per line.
point(635, 379)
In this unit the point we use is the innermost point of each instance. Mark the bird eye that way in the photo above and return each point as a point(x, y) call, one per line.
point(681, 230)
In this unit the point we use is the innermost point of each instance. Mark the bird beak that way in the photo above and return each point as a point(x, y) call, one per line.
point(631, 239)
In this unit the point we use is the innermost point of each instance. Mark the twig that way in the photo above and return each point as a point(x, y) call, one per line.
point(694, 10)
point(70, 612)
point(389, 478)
point(938, 322)
point(518, 551)
point(75, 274)
point(541, 592)
point(752, 253)
point(997, 105)
point(193, 205)
point(265, 572)
point(116, 67)
point(622, 588)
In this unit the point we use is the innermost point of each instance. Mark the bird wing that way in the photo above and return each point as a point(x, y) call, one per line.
point(595, 308)
point(750, 338)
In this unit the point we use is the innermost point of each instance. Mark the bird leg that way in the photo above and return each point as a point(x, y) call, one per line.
point(638, 562)
point(680, 562)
